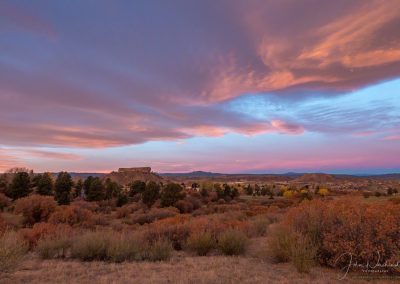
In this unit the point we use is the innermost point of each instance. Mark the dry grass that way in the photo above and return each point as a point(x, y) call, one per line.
point(12, 220)
point(215, 269)
point(12, 250)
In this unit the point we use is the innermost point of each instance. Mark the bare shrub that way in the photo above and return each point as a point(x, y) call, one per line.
point(195, 200)
point(158, 251)
point(127, 209)
point(54, 245)
point(233, 242)
point(259, 225)
point(3, 225)
point(90, 246)
point(153, 215)
point(280, 243)
point(91, 206)
point(202, 243)
point(125, 247)
point(176, 233)
point(184, 206)
point(117, 247)
point(395, 200)
point(287, 245)
point(12, 250)
point(302, 254)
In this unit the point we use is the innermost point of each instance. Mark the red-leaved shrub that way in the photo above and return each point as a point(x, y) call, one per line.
point(73, 216)
point(35, 208)
point(40, 230)
point(369, 232)
point(4, 201)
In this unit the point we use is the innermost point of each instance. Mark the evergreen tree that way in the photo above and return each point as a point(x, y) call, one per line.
point(235, 193)
point(78, 189)
point(218, 190)
point(20, 186)
point(151, 193)
point(86, 184)
point(96, 190)
point(3, 184)
point(137, 187)
point(63, 186)
point(249, 190)
point(44, 184)
point(227, 192)
point(113, 189)
point(171, 194)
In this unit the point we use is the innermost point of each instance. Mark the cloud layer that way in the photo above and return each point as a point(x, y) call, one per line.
point(98, 74)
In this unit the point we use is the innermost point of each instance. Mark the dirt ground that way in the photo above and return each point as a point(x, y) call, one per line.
point(180, 269)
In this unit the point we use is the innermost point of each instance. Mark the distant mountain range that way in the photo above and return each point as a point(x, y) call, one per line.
point(192, 174)
point(203, 174)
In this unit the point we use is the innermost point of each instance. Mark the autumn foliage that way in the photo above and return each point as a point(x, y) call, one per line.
point(369, 232)
point(72, 215)
point(35, 208)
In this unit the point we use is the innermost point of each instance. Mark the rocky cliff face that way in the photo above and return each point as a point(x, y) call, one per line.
point(125, 176)
point(145, 170)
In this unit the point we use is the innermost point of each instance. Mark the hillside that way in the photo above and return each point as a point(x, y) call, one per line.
point(316, 178)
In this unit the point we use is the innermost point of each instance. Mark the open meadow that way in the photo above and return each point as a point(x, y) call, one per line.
point(56, 229)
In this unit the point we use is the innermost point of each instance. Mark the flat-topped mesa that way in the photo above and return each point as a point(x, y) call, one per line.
point(145, 170)
point(125, 176)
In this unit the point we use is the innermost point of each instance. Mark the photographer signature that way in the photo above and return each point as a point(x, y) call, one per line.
point(377, 266)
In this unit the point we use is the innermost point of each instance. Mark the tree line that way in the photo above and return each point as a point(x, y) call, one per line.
point(64, 189)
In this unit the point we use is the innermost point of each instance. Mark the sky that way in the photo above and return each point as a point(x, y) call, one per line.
point(226, 86)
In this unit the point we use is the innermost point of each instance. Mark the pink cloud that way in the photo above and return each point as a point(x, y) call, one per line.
point(392, 138)
point(89, 92)
point(25, 19)
point(8, 161)
point(364, 133)
point(287, 128)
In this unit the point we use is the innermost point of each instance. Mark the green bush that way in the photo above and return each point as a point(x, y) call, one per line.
point(233, 242)
point(12, 250)
point(201, 244)
point(171, 194)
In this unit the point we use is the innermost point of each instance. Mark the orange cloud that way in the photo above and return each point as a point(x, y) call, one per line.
point(250, 129)
point(8, 161)
point(326, 54)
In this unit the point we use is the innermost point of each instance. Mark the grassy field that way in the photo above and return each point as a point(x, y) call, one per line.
point(180, 269)
point(219, 236)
